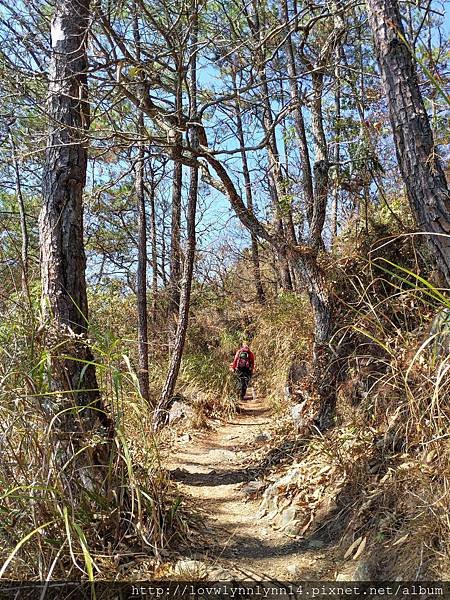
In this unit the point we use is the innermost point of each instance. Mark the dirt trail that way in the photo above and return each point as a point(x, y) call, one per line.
point(213, 468)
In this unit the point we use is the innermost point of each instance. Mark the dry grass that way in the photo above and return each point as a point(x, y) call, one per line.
point(282, 336)
point(55, 523)
point(381, 475)
point(400, 389)
point(380, 478)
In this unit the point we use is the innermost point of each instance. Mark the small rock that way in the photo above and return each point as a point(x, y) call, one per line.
point(275, 492)
point(288, 516)
point(190, 569)
point(358, 571)
point(252, 488)
point(297, 413)
point(271, 516)
point(262, 437)
point(290, 478)
point(185, 437)
point(293, 528)
point(316, 544)
point(179, 410)
point(294, 570)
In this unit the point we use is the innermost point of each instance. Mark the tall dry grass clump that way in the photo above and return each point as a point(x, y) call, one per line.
point(378, 480)
point(54, 522)
point(393, 355)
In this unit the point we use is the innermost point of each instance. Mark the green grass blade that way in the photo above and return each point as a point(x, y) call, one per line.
point(19, 545)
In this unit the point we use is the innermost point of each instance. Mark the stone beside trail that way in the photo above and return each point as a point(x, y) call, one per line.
point(218, 471)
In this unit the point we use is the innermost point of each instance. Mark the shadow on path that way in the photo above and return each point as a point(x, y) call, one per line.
point(212, 478)
point(275, 456)
point(232, 530)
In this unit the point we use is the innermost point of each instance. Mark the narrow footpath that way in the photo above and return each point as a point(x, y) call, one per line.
point(218, 471)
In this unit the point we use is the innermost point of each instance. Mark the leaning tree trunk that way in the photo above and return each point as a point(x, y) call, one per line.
point(419, 163)
point(63, 262)
point(185, 300)
point(188, 269)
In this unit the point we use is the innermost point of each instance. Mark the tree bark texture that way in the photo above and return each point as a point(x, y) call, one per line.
point(163, 261)
point(420, 166)
point(175, 240)
point(299, 122)
point(185, 298)
point(177, 183)
point(275, 181)
point(154, 253)
point(141, 283)
point(337, 149)
point(63, 261)
point(321, 165)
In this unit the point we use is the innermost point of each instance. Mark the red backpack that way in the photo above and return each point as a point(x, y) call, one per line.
point(244, 360)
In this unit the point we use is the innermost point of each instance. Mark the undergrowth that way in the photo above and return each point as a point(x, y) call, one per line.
point(378, 480)
point(282, 337)
point(54, 523)
point(384, 489)
point(399, 337)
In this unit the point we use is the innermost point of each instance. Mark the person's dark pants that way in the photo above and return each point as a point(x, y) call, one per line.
point(244, 376)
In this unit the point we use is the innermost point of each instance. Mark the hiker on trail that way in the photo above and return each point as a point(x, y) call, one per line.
point(243, 365)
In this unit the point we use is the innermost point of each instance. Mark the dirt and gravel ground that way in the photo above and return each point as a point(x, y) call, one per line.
point(213, 469)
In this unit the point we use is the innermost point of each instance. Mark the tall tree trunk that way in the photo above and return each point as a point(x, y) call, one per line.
point(141, 275)
point(275, 183)
point(420, 166)
point(175, 238)
point(177, 183)
point(321, 165)
point(154, 253)
point(299, 122)
point(337, 149)
point(141, 283)
point(164, 276)
point(188, 268)
point(63, 262)
point(249, 196)
point(310, 272)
